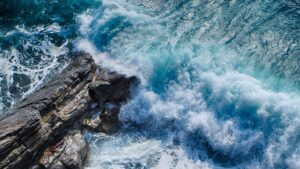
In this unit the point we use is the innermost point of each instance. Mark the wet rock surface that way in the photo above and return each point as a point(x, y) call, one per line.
point(45, 129)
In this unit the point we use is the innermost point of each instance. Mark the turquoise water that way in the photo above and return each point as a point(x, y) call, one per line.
point(220, 79)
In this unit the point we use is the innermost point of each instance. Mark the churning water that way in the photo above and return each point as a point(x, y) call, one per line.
point(220, 78)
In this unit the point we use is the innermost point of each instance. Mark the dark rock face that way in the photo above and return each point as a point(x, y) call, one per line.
point(68, 153)
point(44, 130)
point(110, 90)
point(111, 86)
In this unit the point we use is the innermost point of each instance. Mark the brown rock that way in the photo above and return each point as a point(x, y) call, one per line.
point(46, 115)
point(36, 132)
point(67, 153)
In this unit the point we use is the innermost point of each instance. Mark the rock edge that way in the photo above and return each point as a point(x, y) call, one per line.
point(45, 129)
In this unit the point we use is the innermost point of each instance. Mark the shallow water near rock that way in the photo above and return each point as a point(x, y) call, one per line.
point(220, 79)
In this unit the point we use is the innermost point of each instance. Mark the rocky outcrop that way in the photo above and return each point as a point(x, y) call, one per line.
point(110, 90)
point(67, 153)
point(45, 129)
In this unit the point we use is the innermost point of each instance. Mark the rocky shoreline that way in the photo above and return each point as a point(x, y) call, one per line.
point(45, 130)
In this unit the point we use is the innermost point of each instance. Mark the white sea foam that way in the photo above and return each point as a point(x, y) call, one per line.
point(138, 152)
point(13, 61)
point(192, 94)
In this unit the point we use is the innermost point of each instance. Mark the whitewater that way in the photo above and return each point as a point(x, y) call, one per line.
point(219, 79)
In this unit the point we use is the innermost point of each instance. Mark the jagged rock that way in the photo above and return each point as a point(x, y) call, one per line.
point(109, 119)
point(111, 86)
point(67, 153)
point(106, 121)
point(48, 116)
point(92, 122)
point(110, 90)
point(45, 115)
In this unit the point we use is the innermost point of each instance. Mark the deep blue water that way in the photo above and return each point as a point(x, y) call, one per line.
point(220, 78)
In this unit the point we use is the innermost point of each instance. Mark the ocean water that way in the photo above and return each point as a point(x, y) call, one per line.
point(220, 78)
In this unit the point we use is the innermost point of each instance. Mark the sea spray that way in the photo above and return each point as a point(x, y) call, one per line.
point(220, 79)
point(199, 96)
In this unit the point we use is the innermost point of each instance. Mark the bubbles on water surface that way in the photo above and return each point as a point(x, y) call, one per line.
point(35, 38)
point(198, 96)
point(28, 57)
point(210, 95)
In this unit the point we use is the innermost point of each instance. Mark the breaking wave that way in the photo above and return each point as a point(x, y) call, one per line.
point(207, 100)
point(220, 79)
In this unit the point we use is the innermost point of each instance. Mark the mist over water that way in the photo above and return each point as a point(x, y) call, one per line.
point(220, 80)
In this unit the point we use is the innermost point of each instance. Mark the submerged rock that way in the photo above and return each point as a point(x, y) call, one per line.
point(38, 131)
